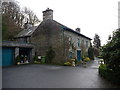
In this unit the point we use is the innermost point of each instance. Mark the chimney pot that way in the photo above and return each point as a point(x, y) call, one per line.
point(78, 30)
point(48, 14)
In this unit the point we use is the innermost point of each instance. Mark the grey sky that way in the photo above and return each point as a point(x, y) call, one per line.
point(92, 16)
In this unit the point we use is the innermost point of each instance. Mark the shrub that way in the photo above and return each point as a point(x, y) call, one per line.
point(86, 59)
point(111, 51)
point(67, 64)
point(109, 74)
point(72, 60)
point(43, 60)
point(35, 58)
point(18, 58)
point(76, 61)
point(91, 52)
point(99, 57)
point(36, 62)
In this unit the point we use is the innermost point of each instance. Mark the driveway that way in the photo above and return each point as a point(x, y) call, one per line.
point(49, 76)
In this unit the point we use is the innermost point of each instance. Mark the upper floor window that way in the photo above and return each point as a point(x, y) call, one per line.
point(87, 44)
point(83, 42)
point(78, 42)
point(70, 39)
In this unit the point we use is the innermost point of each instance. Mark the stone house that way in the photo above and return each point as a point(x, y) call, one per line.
point(66, 43)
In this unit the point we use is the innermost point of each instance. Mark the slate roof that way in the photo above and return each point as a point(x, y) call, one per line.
point(26, 32)
point(71, 30)
point(51, 24)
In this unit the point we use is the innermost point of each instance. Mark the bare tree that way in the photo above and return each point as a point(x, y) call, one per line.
point(13, 19)
point(30, 16)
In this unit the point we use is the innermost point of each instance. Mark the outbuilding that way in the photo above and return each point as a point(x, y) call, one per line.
point(12, 49)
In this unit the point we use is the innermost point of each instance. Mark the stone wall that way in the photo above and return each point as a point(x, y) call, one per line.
point(74, 39)
point(48, 34)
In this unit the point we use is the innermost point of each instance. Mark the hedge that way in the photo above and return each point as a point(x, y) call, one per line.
point(109, 74)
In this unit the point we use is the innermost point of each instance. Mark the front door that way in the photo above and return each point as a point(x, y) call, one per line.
point(78, 55)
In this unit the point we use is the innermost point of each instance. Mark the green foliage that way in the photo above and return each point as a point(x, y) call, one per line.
point(76, 61)
point(18, 58)
point(50, 54)
point(86, 59)
point(43, 60)
point(111, 52)
point(109, 74)
point(91, 52)
point(111, 56)
point(99, 57)
point(35, 58)
point(67, 64)
point(36, 62)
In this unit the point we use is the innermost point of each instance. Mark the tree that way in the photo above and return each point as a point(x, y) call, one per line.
point(97, 42)
point(13, 19)
point(10, 15)
point(30, 16)
point(111, 52)
point(91, 52)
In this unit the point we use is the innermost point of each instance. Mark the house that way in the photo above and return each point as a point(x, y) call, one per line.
point(66, 42)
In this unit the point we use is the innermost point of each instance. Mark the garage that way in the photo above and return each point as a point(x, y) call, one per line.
point(12, 49)
point(7, 56)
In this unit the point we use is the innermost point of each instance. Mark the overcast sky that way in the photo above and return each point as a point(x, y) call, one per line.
point(92, 16)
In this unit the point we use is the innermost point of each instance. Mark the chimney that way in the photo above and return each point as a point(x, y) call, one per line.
point(78, 30)
point(48, 14)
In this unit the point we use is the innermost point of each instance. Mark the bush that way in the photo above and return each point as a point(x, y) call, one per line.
point(18, 58)
point(35, 58)
point(76, 61)
point(43, 60)
point(36, 62)
point(99, 57)
point(91, 52)
point(86, 59)
point(109, 74)
point(111, 52)
point(72, 60)
point(67, 64)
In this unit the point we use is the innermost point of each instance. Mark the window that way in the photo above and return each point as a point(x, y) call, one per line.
point(78, 42)
point(87, 44)
point(70, 40)
point(83, 42)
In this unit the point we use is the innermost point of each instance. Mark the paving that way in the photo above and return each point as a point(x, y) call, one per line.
point(50, 76)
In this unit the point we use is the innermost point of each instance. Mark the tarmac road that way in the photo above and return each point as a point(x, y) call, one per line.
point(49, 76)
